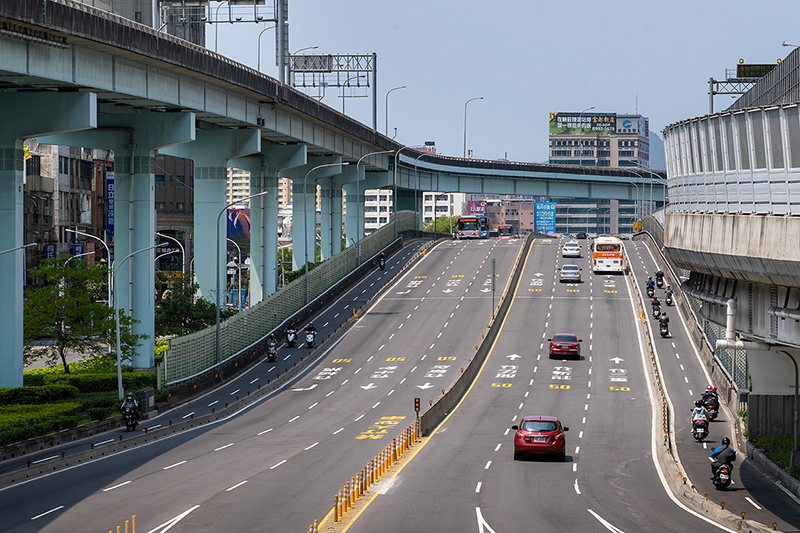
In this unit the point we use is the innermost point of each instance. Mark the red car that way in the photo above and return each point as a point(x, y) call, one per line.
point(564, 345)
point(540, 435)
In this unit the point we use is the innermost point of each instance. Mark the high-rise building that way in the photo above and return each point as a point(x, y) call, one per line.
point(599, 140)
point(377, 208)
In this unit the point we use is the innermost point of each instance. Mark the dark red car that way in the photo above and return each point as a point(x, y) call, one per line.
point(540, 435)
point(564, 345)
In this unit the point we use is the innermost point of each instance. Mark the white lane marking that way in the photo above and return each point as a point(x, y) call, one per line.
point(682, 368)
point(526, 393)
point(357, 371)
point(402, 380)
point(265, 431)
point(295, 418)
point(47, 512)
point(586, 407)
point(325, 325)
point(588, 396)
point(409, 316)
point(483, 526)
point(187, 416)
point(451, 314)
point(153, 427)
point(223, 447)
point(705, 446)
point(253, 381)
point(358, 418)
point(432, 345)
point(276, 465)
point(313, 405)
point(685, 379)
point(287, 357)
point(105, 442)
point(337, 314)
point(173, 466)
point(498, 446)
point(371, 356)
point(345, 381)
point(439, 335)
point(520, 405)
point(415, 367)
point(609, 526)
point(574, 467)
point(312, 446)
point(237, 485)
point(270, 369)
point(584, 420)
point(116, 486)
point(580, 435)
point(338, 431)
point(331, 392)
point(48, 458)
point(478, 486)
point(391, 336)
point(488, 464)
point(514, 419)
point(376, 405)
point(234, 392)
point(506, 432)
point(530, 383)
point(577, 450)
point(577, 490)
point(590, 383)
point(390, 392)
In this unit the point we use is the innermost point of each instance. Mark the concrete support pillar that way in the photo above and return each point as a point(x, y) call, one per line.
point(410, 200)
point(136, 136)
point(336, 218)
point(210, 153)
point(326, 187)
point(304, 205)
point(264, 171)
point(25, 115)
point(355, 213)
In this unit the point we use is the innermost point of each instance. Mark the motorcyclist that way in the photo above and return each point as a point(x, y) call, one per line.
point(311, 329)
point(659, 275)
point(663, 321)
point(722, 455)
point(131, 402)
point(668, 290)
point(654, 302)
point(650, 284)
point(699, 413)
point(710, 394)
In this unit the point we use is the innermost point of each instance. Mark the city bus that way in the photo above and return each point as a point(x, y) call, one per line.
point(607, 255)
point(484, 225)
point(505, 231)
point(469, 228)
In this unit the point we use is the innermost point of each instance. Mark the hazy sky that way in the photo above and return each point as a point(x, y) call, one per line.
point(527, 58)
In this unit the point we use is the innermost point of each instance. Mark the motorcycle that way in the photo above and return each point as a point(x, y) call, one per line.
point(700, 430)
point(650, 292)
point(664, 330)
point(129, 416)
point(291, 337)
point(382, 263)
point(272, 352)
point(660, 283)
point(656, 311)
point(668, 299)
point(722, 477)
point(712, 406)
point(310, 338)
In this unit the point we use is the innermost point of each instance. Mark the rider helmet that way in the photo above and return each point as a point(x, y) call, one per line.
point(708, 387)
point(668, 285)
point(130, 396)
point(698, 403)
point(713, 389)
point(726, 441)
point(664, 314)
point(650, 277)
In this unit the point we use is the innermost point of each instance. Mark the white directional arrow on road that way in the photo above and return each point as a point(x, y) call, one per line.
point(617, 360)
point(404, 292)
point(307, 388)
point(370, 386)
point(514, 356)
point(486, 290)
point(426, 386)
point(538, 274)
point(447, 290)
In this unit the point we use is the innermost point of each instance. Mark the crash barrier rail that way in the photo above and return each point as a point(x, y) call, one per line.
point(439, 409)
point(347, 497)
point(195, 353)
point(732, 362)
point(290, 374)
point(130, 526)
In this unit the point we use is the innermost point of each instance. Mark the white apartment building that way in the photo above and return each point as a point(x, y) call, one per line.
point(442, 204)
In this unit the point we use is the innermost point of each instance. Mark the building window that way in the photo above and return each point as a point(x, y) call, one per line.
point(160, 207)
point(179, 207)
point(384, 220)
point(562, 152)
point(159, 180)
point(371, 198)
point(604, 153)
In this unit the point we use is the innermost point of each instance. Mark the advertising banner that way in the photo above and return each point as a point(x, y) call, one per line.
point(110, 203)
point(588, 123)
point(544, 220)
point(476, 207)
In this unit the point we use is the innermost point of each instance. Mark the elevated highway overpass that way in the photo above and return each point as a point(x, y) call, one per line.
point(75, 75)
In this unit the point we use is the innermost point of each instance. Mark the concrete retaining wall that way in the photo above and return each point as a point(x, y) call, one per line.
point(769, 415)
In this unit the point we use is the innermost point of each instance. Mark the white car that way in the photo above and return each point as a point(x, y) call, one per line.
point(571, 249)
point(570, 273)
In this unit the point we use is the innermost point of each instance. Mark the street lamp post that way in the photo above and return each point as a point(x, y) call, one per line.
point(637, 203)
point(116, 315)
point(347, 83)
point(258, 63)
point(416, 192)
point(386, 128)
point(18, 248)
point(77, 256)
point(580, 135)
point(108, 254)
point(305, 217)
point(465, 122)
point(183, 252)
point(239, 266)
point(358, 193)
point(216, 250)
point(216, 28)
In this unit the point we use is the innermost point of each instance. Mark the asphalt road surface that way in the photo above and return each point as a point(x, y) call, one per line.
point(276, 465)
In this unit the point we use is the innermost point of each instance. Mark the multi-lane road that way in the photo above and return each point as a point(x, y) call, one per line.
point(276, 465)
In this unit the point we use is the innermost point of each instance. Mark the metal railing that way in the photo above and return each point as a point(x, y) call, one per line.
point(195, 353)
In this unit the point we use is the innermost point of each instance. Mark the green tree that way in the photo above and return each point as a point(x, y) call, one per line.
point(179, 311)
point(67, 310)
point(442, 224)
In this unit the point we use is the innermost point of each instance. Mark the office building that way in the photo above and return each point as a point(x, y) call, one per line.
point(599, 140)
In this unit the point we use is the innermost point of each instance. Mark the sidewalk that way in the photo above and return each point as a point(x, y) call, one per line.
point(72, 356)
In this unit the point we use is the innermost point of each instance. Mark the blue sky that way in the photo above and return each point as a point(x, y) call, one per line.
point(527, 58)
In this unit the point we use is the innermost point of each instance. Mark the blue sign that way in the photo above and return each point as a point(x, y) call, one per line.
point(544, 217)
point(239, 298)
point(49, 251)
point(110, 203)
point(78, 248)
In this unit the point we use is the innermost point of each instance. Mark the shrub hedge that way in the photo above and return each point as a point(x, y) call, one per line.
point(102, 382)
point(20, 416)
point(17, 434)
point(36, 395)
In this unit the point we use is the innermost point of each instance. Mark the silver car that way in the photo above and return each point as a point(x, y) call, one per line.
point(570, 273)
point(571, 249)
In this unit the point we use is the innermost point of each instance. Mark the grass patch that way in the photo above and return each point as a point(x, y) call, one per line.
point(778, 449)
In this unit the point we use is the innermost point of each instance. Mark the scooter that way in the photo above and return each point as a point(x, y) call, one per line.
point(272, 352)
point(722, 477)
point(664, 330)
point(291, 337)
point(660, 282)
point(310, 339)
point(656, 311)
point(700, 430)
point(712, 406)
point(650, 292)
point(129, 415)
point(382, 263)
point(668, 299)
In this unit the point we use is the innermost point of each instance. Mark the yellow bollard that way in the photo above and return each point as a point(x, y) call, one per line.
point(374, 468)
point(358, 486)
point(346, 498)
point(352, 492)
point(119, 529)
point(127, 525)
point(133, 525)
point(316, 526)
point(335, 508)
point(340, 499)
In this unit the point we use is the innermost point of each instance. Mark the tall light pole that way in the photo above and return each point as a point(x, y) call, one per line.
point(258, 64)
point(347, 83)
point(465, 122)
point(305, 217)
point(116, 314)
point(216, 28)
point(239, 266)
point(183, 253)
point(580, 135)
point(637, 204)
point(18, 248)
point(216, 252)
point(358, 194)
point(77, 256)
point(386, 128)
point(108, 255)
